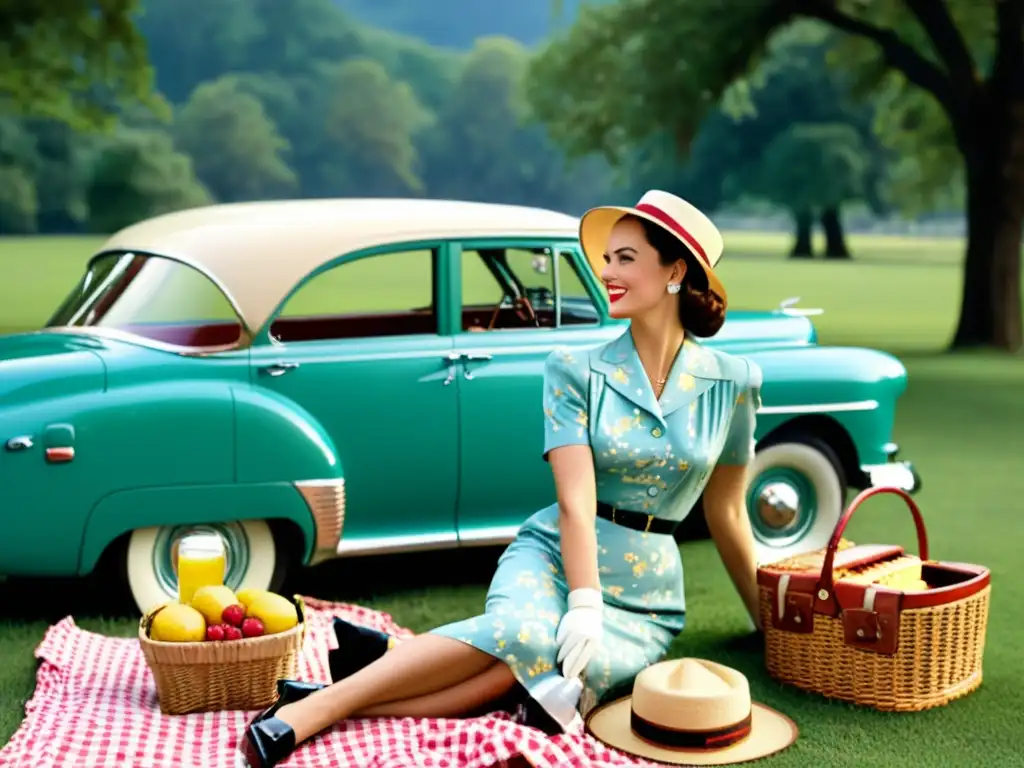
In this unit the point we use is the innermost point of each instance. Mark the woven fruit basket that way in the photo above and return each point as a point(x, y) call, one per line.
point(225, 675)
point(874, 625)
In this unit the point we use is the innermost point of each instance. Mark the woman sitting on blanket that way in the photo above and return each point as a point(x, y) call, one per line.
point(591, 590)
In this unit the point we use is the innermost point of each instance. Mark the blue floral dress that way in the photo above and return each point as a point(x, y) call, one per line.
point(650, 455)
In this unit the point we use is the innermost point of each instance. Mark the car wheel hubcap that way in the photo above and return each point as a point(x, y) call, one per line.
point(782, 505)
point(165, 553)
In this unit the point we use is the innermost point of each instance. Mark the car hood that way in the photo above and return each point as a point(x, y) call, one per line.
point(829, 374)
point(747, 327)
point(47, 365)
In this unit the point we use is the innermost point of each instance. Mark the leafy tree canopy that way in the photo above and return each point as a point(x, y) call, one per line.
point(73, 61)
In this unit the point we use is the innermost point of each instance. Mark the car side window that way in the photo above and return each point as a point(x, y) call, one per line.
point(385, 294)
point(515, 289)
point(578, 305)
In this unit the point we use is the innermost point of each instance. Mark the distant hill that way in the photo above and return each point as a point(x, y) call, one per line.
point(457, 23)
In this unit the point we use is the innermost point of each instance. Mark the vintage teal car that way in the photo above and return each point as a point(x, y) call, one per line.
point(331, 378)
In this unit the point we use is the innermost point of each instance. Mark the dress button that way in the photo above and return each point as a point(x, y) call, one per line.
point(656, 432)
point(652, 490)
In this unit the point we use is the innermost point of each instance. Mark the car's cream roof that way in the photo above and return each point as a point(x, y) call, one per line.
point(258, 251)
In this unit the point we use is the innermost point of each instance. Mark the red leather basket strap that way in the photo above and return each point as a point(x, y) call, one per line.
point(826, 602)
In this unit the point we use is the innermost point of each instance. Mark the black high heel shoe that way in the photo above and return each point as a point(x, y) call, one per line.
point(358, 647)
point(268, 740)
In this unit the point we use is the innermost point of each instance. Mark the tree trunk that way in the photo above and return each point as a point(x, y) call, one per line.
point(990, 311)
point(803, 248)
point(835, 239)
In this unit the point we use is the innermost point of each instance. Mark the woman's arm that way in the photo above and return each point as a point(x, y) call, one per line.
point(725, 509)
point(725, 505)
point(575, 484)
point(567, 447)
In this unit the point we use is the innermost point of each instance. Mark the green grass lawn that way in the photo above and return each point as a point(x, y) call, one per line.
point(961, 421)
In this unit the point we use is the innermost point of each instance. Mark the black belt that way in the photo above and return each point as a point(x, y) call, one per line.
point(637, 521)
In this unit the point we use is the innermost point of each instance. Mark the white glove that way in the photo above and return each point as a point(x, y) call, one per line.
point(580, 631)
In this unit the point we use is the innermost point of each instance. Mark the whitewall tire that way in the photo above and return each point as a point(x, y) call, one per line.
point(252, 559)
point(795, 498)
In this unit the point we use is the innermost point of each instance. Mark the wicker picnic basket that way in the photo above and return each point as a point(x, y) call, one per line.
point(874, 625)
point(224, 675)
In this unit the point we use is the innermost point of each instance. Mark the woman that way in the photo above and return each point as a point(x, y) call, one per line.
point(635, 431)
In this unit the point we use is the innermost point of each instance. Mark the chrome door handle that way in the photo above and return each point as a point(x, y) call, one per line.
point(452, 358)
point(278, 369)
point(20, 443)
point(473, 357)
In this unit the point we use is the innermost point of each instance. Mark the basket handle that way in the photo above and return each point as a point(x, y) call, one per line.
point(827, 575)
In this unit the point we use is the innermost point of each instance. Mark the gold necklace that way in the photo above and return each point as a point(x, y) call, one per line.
point(659, 384)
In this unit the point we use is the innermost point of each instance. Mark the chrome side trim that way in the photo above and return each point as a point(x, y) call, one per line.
point(858, 405)
point(489, 537)
point(326, 502)
point(387, 545)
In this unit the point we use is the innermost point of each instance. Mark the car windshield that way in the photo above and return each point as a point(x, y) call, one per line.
point(153, 297)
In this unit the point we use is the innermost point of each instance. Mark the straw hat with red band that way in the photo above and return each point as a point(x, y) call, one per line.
point(694, 230)
point(691, 712)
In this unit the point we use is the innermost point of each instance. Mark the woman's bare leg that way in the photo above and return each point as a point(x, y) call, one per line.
point(468, 696)
point(416, 667)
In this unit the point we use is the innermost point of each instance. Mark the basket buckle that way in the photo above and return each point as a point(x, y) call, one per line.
point(792, 611)
point(875, 626)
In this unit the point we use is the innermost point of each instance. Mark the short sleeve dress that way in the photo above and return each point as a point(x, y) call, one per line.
point(652, 456)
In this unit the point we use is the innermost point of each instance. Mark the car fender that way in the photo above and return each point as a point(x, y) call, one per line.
point(279, 440)
point(227, 453)
point(123, 511)
point(852, 387)
point(142, 434)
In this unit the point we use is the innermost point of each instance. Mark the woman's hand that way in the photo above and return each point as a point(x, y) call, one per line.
point(580, 631)
point(725, 509)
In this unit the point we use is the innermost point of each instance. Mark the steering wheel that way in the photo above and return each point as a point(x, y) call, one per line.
point(524, 310)
point(521, 306)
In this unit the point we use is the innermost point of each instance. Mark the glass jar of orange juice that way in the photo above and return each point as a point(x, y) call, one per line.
point(201, 562)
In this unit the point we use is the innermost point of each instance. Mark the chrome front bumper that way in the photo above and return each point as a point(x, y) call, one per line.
point(899, 474)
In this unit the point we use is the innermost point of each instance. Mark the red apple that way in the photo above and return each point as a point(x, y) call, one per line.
point(215, 632)
point(233, 615)
point(232, 633)
point(252, 627)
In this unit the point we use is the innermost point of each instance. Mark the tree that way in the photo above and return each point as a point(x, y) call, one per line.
point(790, 104)
point(626, 68)
point(73, 61)
point(236, 150)
point(138, 174)
point(486, 146)
point(373, 120)
point(812, 168)
point(19, 203)
point(798, 116)
point(193, 41)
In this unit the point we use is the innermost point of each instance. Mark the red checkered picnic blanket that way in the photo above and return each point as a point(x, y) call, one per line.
point(95, 706)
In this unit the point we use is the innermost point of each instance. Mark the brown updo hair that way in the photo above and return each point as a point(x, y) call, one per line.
point(701, 310)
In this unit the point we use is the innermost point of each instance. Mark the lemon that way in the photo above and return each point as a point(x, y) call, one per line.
point(246, 596)
point(177, 623)
point(211, 602)
point(277, 613)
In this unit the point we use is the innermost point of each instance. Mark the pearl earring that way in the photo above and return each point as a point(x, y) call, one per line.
point(673, 287)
